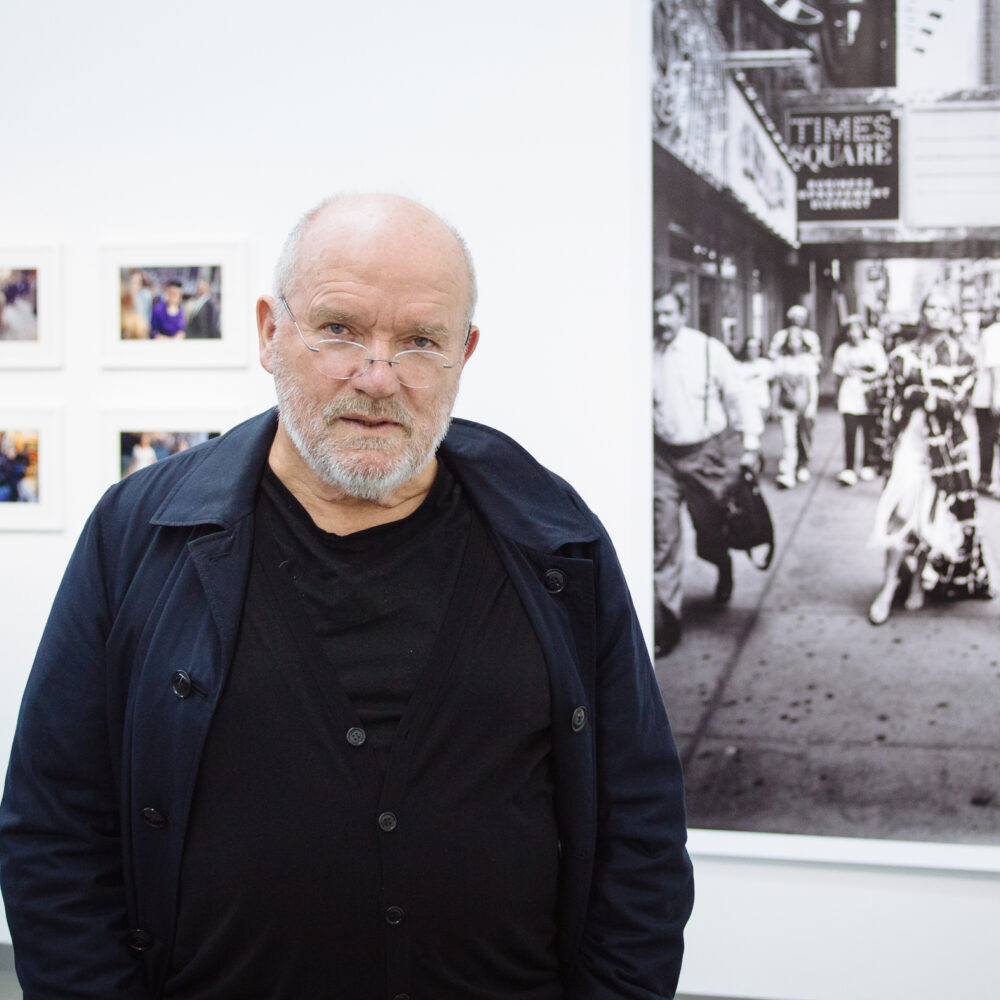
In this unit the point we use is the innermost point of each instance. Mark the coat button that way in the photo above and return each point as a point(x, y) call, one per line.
point(554, 580)
point(387, 822)
point(153, 817)
point(401, 996)
point(356, 736)
point(394, 915)
point(181, 683)
point(579, 718)
point(139, 940)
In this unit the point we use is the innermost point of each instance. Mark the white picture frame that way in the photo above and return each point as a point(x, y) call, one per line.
point(169, 429)
point(31, 325)
point(37, 433)
point(843, 850)
point(223, 264)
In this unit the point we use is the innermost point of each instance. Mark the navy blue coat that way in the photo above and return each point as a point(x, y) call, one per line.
point(134, 656)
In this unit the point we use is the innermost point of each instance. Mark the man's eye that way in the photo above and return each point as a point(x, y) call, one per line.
point(335, 329)
point(423, 344)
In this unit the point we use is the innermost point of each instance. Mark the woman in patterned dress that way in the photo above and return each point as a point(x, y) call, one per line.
point(926, 515)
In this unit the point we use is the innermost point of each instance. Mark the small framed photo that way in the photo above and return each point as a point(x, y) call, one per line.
point(30, 321)
point(31, 469)
point(175, 307)
point(135, 439)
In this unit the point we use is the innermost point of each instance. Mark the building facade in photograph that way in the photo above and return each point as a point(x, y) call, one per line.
point(794, 143)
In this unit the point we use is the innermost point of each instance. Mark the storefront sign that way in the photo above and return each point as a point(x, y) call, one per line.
point(756, 171)
point(953, 165)
point(847, 163)
point(688, 88)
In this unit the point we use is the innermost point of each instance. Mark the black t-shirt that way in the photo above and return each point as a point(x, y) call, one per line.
point(374, 812)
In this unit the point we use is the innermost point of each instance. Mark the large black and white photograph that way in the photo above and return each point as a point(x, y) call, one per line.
point(826, 403)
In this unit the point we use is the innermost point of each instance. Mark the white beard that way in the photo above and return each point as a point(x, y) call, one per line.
point(360, 467)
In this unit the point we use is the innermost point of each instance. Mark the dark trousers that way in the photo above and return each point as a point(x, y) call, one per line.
point(989, 425)
point(854, 422)
point(697, 476)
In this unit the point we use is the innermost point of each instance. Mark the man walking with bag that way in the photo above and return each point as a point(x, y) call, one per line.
point(699, 407)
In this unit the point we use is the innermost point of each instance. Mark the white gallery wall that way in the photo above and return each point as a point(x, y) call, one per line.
point(526, 124)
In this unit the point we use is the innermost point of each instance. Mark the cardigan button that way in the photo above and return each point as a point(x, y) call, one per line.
point(387, 822)
point(181, 683)
point(153, 817)
point(578, 719)
point(139, 940)
point(394, 916)
point(554, 580)
point(356, 736)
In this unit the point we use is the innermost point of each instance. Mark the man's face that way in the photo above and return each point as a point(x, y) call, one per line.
point(669, 317)
point(173, 295)
point(390, 286)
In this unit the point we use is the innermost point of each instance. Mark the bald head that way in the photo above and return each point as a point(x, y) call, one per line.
point(379, 227)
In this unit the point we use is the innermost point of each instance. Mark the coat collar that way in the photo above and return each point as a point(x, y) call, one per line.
point(518, 497)
point(222, 487)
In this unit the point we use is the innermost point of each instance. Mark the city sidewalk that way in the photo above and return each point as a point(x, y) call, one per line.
point(795, 715)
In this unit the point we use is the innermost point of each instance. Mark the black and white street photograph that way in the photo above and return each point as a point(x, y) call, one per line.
point(826, 270)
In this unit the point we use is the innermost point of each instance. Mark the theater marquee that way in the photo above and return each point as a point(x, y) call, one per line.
point(847, 163)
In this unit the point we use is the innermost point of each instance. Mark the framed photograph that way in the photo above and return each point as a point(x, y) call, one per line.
point(175, 307)
point(31, 469)
point(30, 321)
point(137, 438)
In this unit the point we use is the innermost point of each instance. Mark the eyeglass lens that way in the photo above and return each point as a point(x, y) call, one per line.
point(413, 369)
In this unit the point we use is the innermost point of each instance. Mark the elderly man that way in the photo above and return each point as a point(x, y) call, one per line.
point(346, 703)
point(698, 396)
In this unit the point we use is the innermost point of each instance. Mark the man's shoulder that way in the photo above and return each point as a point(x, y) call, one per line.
point(469, 442)
point(213, 482)
point(518, 495)
point(692, 336)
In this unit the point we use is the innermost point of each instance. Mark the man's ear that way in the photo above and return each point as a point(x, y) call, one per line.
point(471, 340)
point(267, 327)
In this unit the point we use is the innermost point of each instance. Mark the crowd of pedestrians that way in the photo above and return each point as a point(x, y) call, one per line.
point(921, 409)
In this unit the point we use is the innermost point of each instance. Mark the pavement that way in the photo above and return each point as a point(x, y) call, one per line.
point(794, 714)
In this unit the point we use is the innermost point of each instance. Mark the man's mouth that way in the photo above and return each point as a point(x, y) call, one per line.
point(371, 419)
point(370, 422)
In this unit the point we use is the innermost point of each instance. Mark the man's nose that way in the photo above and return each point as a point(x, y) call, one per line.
point(377, 377)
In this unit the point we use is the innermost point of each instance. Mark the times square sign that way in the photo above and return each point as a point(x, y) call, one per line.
point(846, 163)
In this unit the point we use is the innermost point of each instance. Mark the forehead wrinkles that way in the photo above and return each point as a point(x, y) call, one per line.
point(401, 306)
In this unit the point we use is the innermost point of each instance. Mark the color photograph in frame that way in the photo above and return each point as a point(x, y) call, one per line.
point(175, 307)
point(135, 439)
point(30, 470)
point(30, 334)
